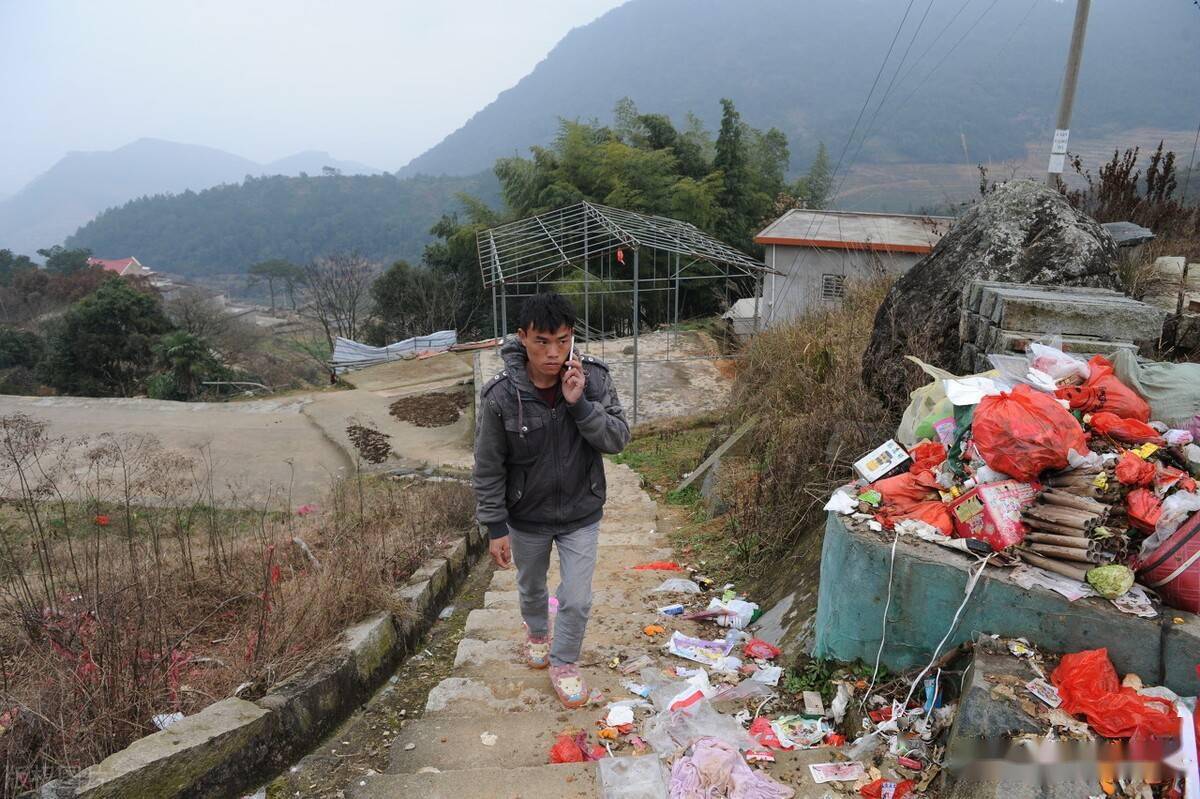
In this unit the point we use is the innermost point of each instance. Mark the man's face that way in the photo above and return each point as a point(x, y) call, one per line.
point(547, 350)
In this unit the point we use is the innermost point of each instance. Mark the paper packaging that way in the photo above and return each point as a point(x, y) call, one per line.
point(813, 706)
point(1044, 691)
point(880, 461)
point(992, 513)
point(851, 771)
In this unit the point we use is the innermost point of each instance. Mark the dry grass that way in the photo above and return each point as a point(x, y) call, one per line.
point(815, 417)
point(112, 612)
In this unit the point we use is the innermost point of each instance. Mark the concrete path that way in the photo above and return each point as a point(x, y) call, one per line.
point(442, 755)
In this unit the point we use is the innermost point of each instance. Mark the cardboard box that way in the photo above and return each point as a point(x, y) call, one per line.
point(992, 512)
point(880, 461)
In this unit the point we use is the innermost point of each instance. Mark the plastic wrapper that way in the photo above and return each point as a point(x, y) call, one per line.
point(1173, 512)
point(1133, 471)
point(926, 401)
point(632, 778)
point(678, 585)
point(1130, 431)
point(1088, 685)
point(1103, 392)
point(1111, 581)
point(1024, 433)
point(1144, 509)
point(927, 456)
point(670, 730)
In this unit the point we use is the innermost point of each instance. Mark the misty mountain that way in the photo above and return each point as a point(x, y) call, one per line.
point(225, 229)
point(81, 184)
point(979, 82)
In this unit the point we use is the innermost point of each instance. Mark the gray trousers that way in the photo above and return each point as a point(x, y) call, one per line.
point(576, 562)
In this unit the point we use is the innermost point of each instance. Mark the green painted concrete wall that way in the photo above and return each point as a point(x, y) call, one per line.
point(928, 585)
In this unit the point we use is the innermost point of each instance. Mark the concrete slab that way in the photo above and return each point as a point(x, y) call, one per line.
point(452, 742)
point(562, 781)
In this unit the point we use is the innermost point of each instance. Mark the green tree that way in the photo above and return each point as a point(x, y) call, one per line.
point(186, 361)
point(63, 261)
point(278, 274)
point(104, 344)
point(19, 348)
point(814, 189)
point(735, 176)
point(12, 264)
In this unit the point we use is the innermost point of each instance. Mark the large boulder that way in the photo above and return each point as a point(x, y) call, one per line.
point(1021, 232)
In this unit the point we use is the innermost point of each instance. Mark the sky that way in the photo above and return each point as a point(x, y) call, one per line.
point(375, 81)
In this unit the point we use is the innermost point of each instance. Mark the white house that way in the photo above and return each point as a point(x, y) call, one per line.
point(815, 254)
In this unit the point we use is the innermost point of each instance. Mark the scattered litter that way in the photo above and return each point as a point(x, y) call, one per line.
point(632, 778)
point(671, 610)
point(637, 664)
point(408, 747)
point(813, 706)
point(851, 771)
point(714, 654)
point(1044, 691)
point(758, 648)
point(164, 720)
point(659, 566)
point(768, 676)
point(654, 629)
point(677, 585)
point(886, 789)
point(716, 768)
point(880, 461)
point(446, 613)
point(619, 715)
point(487, 738)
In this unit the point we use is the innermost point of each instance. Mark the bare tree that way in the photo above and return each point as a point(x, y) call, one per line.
point(198, 312)
point(339, 293)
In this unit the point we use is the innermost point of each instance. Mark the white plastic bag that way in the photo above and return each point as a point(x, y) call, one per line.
point(677, 585)
point(1175, 510)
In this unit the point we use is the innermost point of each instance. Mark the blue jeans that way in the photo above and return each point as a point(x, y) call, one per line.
point(577, 562)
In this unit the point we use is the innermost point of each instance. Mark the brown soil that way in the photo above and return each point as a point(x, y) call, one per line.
point(431, 410)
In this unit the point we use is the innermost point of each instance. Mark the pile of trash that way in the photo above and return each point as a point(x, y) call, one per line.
point(708, 716)
point(1051, 466)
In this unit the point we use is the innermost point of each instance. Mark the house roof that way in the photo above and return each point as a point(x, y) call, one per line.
point(855, 230)
point(118, 265)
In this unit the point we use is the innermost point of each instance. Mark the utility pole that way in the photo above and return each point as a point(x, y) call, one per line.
point(1066, 99)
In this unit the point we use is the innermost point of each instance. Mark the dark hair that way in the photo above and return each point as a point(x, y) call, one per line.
point(547, 311)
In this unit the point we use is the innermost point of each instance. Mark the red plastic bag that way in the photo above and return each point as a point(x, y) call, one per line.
point(876, 790)
point(1131, 431)
point(1133, 471)
point(1088, 685)
point(1104, 392)
point(907, 489)
point(1024, 433)
point(926, 456)
point(565, 750)
point(758, 648)
point(934, 512)
point(659, 566)
point(1143, 509)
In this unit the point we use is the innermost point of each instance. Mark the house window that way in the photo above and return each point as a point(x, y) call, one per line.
point(833, 287)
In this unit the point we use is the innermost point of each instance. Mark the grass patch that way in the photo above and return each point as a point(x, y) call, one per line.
point(663, 453)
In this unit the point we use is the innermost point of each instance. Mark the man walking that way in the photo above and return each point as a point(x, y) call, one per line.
point(542, 425)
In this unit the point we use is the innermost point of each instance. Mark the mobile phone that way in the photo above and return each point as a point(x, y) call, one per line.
point(572, 356)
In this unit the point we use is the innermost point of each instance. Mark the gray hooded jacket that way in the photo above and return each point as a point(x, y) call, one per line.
point(540, 468)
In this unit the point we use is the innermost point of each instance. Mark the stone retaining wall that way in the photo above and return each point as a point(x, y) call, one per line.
point(233, 744)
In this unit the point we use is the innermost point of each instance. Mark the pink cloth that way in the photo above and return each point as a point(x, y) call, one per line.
point(716, 769)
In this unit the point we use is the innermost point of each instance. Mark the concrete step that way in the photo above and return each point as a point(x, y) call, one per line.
point(617, 627)
point(452, 743)
point(562, 781)
point(602, 598)
point(611, 562)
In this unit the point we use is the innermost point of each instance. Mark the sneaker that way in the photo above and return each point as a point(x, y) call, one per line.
point(568, 684)
point(537, 650)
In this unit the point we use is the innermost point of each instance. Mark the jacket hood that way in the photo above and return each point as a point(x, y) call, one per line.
point(514, 356)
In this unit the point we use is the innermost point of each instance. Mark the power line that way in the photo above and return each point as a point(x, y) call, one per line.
point(854, 129)
point(949, 52)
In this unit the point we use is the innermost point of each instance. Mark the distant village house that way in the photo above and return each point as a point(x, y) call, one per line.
point(125, 267)
point(818, 253)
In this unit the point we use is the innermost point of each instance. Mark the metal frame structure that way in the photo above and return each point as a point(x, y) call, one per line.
point(517, 257)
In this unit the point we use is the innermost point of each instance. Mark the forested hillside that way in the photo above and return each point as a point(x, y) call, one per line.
point(227, 228)
point(979, 79)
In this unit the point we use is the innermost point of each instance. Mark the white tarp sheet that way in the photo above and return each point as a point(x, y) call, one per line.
point(349, 354)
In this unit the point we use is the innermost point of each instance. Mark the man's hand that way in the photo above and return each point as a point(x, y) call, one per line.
point(573, 381)
point(501, 551)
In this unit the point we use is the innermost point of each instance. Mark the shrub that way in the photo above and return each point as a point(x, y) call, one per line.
point(802, 380)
